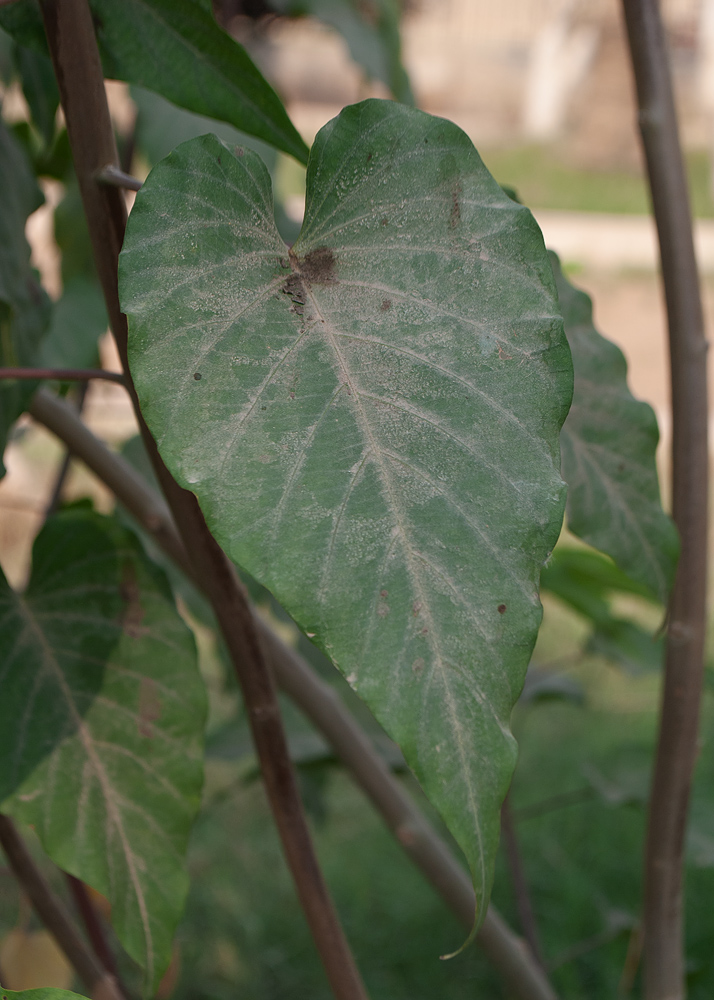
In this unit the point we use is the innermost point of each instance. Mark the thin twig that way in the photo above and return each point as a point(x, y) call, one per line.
point(61, 374)
point(54, 915)
point(323, 706)
point(520, 882)
point(70, 33)
point(63, 471)
point(93, 926)
point(663, 952)
point(118, 178)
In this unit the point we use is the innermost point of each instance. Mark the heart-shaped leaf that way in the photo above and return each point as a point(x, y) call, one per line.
point(101, 724)
point(608, 444)
point(370, 420)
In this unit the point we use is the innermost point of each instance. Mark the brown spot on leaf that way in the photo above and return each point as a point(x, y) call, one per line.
point(317, 267)
point(455, 205)
point(149, 706)
point(239, 151)
point(386, 305)
point(369, 157)
point(418, 665)
point(133, 613)
point(382, 609)
point(501, 609)
point(502, 354)
point(384, 593)
point(416, 608)
point(197, 376)
point(384, 221)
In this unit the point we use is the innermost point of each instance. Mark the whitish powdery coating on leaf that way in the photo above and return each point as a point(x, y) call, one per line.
point(370, 420)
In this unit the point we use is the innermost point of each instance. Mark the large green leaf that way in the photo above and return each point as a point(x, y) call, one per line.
point(176, 48)
point(608, 449)
point(370, 421)
point(24, 306)
point(101, 724)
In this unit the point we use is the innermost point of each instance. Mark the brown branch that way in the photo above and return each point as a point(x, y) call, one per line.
point(520, 882)
point(54, 915)
point(93, 926)
point(679, 717)
point(70, 33)
point(323, 706)
point(61, 374)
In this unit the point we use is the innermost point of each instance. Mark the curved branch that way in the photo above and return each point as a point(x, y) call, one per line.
point(508, 953)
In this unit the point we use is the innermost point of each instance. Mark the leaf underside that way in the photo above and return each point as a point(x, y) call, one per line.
point(608, 447)
point(101, 724)
point(370, 421)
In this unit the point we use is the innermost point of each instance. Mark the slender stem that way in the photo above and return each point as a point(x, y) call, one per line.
point(679, 717)
point(323, 706)
point(56, 495)
point(61, 374)
point(520, 882)
point(54, 915)
point(118, 178)
point(73, 47)
point(93, 925)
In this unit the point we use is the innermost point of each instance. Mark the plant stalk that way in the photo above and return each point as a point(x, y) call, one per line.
point(54, 915)
point(60, 374)
point(663, 950)
point(73, 47)
point(509, 955)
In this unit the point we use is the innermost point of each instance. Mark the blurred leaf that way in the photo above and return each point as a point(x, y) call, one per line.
point(545, 685)
point(371, 30)
point(393, 397)
point(586, 581)
point(78, 320)
point(40, 89)
point(24, 306)
point(608, 447)
point(175, 48)
point(101, 724)
point(72, 237)
point(161, 126)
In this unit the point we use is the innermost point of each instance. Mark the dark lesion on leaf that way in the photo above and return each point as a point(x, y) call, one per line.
point(133, 611)
point(316, 268)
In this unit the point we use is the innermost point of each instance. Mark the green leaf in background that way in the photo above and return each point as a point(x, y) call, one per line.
point(101, 724)
point(78, 320)
point(608, 450)
point(40, 89)
point(586, 581)
point(371, 420)
point(176, 48)
point(371, 31)
point(24, 306)
point(44, 994)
